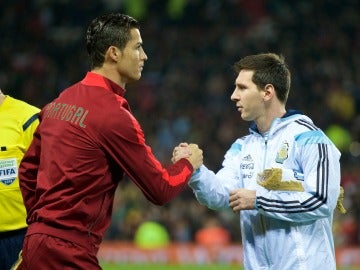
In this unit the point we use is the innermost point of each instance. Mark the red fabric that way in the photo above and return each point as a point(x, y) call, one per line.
point(87, 139)
point(44, 252)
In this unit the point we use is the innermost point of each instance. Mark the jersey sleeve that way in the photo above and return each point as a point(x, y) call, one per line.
point(29, 128)
point(125, 142)
point(320, 162)
point(212, 190)
point(29, 164)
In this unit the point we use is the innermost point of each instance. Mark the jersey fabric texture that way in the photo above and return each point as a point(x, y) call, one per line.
point(18, 121)
point(86, 141)
point(55, 254)
point(288, 229)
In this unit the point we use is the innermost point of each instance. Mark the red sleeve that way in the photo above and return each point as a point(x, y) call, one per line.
point(28, 171)
point(126, 145)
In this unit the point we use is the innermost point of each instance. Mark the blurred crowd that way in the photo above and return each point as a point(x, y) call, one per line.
point(184, 93)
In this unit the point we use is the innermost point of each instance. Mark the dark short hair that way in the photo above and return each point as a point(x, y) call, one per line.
point(269, 68)
point(105, 31)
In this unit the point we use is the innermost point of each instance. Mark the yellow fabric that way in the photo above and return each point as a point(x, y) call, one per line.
point(271, 179)
point(14, 141)
point(339, 204)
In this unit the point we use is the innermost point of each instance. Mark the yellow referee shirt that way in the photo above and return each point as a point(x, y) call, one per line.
point(18, 121)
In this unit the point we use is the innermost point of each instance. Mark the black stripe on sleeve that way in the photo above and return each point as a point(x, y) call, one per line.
point(318, 199)
point(30, 121)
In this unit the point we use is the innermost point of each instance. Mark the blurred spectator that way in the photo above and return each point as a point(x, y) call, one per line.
point(150, 235)
point(212, 233)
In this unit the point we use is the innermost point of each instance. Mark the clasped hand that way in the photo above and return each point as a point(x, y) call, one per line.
point(191, 151)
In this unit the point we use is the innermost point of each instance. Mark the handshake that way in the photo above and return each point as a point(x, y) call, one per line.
point(191, 152)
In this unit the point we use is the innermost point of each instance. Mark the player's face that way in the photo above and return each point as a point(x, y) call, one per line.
point(133, 58)
point(248, 97)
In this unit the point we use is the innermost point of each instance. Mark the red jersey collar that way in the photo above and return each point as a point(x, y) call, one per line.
point(95, 79)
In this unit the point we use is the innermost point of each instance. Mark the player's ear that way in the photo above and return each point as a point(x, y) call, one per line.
point(113, 53)
point(269, 92)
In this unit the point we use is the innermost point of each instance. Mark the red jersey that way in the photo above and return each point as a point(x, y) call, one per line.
point(87, 139)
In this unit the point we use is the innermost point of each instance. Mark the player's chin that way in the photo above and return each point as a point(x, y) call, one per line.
point(245, 117)
point(135, 77)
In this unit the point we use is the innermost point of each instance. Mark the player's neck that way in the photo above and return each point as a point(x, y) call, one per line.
point(2, 97)
point(109, 71)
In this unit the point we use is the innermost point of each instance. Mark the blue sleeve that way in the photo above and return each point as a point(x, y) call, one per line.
point(212, 190)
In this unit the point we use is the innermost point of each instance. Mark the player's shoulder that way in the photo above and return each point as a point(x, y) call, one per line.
point(305, 132)
point(302, 124)
point(238, 145)
point(22, 107)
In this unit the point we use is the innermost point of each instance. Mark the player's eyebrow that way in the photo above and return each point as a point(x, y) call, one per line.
point(240, 85)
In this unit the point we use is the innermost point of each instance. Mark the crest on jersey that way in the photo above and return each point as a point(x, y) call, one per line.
point(282, 154)
point(8, 171)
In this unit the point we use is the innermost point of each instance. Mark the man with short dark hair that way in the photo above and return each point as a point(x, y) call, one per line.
point(283, 177)
point(86, 141)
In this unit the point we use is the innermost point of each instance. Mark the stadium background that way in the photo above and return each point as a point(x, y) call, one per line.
point(184, 93)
